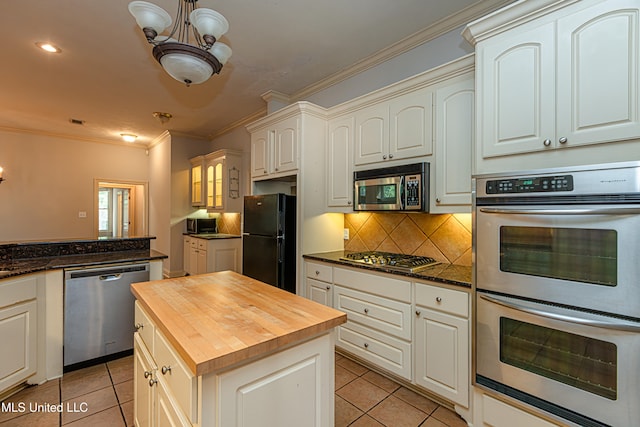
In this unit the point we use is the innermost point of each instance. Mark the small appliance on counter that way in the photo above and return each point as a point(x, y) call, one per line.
point(396, 188)
point(201, 225)
point(269, 240)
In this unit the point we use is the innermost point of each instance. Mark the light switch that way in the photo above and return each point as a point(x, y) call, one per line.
point(346, 234)
point(82, 214)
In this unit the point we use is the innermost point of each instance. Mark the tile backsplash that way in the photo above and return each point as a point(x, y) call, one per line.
point(445, 237)
point(228, 223)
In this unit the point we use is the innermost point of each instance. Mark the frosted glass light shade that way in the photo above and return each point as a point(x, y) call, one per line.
point(221, 51)
point(209, 22)
point(186, 68)
point(148, 15)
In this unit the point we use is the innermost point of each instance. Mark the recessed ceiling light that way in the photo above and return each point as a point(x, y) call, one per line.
point(49, 47)
point(129, 137)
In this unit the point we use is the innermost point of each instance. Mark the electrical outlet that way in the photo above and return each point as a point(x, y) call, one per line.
point(346, 234)
point(82, 214)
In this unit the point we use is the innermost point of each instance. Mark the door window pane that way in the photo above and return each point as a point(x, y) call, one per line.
point(577, 254)
point(582, 362)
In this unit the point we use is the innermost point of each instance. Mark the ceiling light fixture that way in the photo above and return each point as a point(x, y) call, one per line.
point(190, 53)
point(49, 47)
point(129, 137)
point(163, 117)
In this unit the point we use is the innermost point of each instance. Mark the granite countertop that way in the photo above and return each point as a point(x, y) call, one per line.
point(26, 257)
point(34, 265)
point(212, 236)
point(451, 274)
point(217, 320)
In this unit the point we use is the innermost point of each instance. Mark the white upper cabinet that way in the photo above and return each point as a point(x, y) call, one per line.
point(274, 150)
point(455, 138)
point(557, 76)
point(223, 192)
point(396, 128)
point(340, 163)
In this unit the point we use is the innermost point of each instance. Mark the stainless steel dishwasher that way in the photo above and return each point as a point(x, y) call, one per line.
point(99, 311)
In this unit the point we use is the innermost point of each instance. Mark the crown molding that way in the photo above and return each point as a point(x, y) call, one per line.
point(73, 137)
point(470, 13)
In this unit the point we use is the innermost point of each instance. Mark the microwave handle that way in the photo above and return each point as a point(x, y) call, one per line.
point(403, 194)
point(616, 324)
point(592, 211)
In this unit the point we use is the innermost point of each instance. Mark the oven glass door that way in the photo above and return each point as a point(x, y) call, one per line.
point(571, 363)
point(379, 194)
point(580, 256)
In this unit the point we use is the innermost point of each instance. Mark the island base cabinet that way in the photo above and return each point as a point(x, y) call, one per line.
point(294, 387)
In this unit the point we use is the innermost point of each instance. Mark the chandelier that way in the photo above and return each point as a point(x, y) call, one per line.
point(190, 53)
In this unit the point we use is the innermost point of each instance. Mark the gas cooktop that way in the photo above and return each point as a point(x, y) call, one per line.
point(388, 260)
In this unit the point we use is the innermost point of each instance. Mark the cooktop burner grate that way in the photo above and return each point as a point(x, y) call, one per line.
point(400, 262)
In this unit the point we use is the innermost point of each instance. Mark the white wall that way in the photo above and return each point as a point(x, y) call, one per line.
point(50, 179)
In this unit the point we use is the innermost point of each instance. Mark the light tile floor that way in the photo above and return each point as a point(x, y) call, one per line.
point(102, 395)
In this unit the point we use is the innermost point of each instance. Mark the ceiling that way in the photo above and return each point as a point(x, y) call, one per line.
point(106, 76)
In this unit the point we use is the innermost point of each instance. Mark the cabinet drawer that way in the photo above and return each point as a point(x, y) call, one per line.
point(379, 284)
point(442, 299)
point(194, 243)
point(391, 317)
point(382, 350)
point(319, 271)
point(13, 291)
point(145, 327)
point(179, 379)
point(202, 244)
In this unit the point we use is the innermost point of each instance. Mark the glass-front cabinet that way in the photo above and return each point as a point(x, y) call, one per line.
point(197, 186)
point(222, 181)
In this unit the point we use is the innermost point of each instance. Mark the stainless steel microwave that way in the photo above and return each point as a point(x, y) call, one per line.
point(201, 225)
point(396, 188)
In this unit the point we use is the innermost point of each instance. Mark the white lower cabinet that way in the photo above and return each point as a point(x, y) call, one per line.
point(442, 342)
point(378, 327)
point(210, 255)
point(18, 330)
point(491, 412)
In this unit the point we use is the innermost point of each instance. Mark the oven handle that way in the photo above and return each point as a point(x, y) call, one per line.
point(616, 324)
point(594, 211)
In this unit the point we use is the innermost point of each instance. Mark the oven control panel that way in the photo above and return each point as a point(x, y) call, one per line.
point(543, 184)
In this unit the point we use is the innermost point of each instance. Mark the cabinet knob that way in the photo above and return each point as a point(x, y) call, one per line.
point(366, 345)
point(391, 156)
point(366, 310)
point(152, 382)
point(349, 202)
point(437, 199)
point(265, 171)
point(317, 273)
point(276, 169)
point(165, 369)
point(562, 140)
point(138, 326)
point(147, 374)
point(328, 287)
point(438, 300)
point(384, 157)
point(417, 312)
point(547, 142)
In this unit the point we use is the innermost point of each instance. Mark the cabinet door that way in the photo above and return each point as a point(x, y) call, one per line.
point(598, 69)
point(320, 292)
point(260, 153)
point(224, 254)
point(455, 134)
point(198, 187)
point(372, 134)
point(186, 255)
point(516, 92)
point(143, 389)
point(411, 125)
point(285, 145)
point(18, 332)
point(340, 163)
point(168, 413)
point(201, 261)
point(442, 354)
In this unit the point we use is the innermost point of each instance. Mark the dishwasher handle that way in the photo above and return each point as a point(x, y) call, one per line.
point(110, 277)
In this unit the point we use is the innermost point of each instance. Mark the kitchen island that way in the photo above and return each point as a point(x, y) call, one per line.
point(222, 349)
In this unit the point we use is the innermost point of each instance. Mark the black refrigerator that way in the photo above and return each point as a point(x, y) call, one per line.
point(269, 240)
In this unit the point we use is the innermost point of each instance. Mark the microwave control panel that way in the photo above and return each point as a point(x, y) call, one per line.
point(412, 184)
point(538, 184)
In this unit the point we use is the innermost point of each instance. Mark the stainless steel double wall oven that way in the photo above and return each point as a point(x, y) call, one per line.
point(557, 256)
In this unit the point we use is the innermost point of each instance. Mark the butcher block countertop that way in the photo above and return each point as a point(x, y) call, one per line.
point(220, 319)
